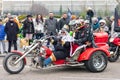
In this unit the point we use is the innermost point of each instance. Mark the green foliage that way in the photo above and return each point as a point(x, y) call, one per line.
point(106, 13)
point(21, 17)
point(83, 15)
point(100, 13)
point(57, 16)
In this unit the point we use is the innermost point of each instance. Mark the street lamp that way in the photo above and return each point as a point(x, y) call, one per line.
point(71, 5)
point(2, 7)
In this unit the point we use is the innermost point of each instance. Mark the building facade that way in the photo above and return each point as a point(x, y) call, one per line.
point(1, 7)
point(54, 5)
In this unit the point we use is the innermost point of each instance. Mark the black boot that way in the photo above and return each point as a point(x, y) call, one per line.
point(41, 61)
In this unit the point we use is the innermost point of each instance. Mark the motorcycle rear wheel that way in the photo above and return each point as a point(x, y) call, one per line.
point(10, 67)
point(97, 62)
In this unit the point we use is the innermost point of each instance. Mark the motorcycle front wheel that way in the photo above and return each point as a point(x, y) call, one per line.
point(10, 67)
point(114, 54)
point(114, 57)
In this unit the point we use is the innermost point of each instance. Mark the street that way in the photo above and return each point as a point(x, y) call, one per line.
point(112, 72)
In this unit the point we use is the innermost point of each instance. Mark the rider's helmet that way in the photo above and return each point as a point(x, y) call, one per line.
point(90, 12)
point(89, 8)
point(81, 24)
point(94, 20)
point(102, 21)
point(86, 22)
point(81, 21)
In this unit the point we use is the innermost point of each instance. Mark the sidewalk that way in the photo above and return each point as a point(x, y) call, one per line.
point(6, 45)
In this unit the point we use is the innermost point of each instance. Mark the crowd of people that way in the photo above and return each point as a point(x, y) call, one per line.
point(35, 28)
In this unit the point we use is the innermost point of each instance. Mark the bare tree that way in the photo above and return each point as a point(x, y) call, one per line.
point(38, 9)
point(118, 1)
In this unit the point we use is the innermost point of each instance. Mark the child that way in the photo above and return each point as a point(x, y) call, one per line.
point(2, 37)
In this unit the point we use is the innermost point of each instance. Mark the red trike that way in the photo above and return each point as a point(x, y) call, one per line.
point(94, 59)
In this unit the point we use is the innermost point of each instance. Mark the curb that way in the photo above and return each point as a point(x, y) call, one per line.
point(3, 55)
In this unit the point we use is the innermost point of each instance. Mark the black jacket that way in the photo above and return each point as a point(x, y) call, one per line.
point(62, 22)
point(28, 27)
point(11, 29)
point(83, 35)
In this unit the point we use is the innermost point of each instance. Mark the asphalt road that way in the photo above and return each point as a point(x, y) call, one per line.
point(112, 72)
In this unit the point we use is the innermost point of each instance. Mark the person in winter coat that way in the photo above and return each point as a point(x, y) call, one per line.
point(28, 28)
point(39, 26)
point(95, 24)
point(72, 23)
point(11, 29)
point(63, 21)
point(51, 25)
point(2, 37)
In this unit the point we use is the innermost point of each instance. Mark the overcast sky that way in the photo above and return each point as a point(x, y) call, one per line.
point(55, 0)
point(40, 0)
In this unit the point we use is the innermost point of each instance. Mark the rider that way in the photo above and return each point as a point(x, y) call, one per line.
point(82, 35)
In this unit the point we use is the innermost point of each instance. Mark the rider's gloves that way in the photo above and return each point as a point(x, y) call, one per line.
point(49, 39)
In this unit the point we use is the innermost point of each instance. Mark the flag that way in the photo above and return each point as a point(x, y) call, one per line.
point(117, 19)
point(69, 13)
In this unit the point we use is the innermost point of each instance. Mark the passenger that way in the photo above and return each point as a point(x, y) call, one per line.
point(62, 48)
point(95, 24)
point(103, 27)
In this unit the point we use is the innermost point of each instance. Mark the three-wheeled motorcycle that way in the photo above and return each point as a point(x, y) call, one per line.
point(94, 59)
